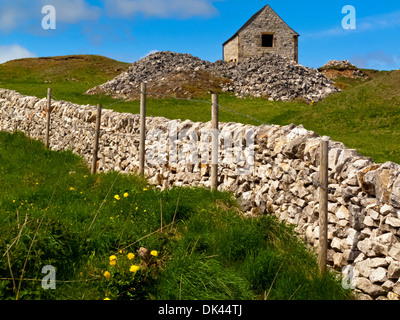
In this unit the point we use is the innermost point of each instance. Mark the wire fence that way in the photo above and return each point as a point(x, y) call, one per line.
point(305, 178)
point(91, 129)
point(312, 176)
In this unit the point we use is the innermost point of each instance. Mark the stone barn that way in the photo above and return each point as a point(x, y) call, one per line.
point(265, 32)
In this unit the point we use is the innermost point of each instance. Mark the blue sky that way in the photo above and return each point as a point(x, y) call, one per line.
point(127, 30)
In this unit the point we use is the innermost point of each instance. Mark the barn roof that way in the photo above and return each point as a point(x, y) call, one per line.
point(252, 19)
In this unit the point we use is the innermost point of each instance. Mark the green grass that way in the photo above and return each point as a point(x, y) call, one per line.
point(75, 223)
point(364, 116)
point(68, 76)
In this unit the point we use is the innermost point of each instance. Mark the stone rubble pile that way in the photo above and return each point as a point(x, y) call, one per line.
point(154, 67)
point(364, 204)
point(270, 76)
point(341, 66)
point(276, 77)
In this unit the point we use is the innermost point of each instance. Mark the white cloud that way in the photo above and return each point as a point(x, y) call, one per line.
point(72, 11)
point(23, 14)
point(12, 15)
point(150, 53)
point(14, 51)
point(161, 8)
point(379, 60)
point(372, 23)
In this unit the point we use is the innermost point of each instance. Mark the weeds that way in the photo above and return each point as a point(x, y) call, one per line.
point(181, 243)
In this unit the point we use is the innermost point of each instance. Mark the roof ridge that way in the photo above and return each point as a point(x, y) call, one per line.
point(254, 17)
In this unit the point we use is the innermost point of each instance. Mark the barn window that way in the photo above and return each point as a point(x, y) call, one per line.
point(267, 40)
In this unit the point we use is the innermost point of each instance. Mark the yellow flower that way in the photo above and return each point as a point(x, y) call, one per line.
point(72, 188)
point(154, 253)
point(113, 262)
point(134, 268)
point(126, 194)
point(13, 201)
point(130, 255)
point(107, 274)
point(85, 176)
point(117, 197)
point(106, 298)
point(144, 189)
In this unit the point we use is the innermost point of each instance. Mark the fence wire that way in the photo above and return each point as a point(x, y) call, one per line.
point(305, 179)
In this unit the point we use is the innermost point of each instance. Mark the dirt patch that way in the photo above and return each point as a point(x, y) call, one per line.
point(180, 84)
point(349, 73)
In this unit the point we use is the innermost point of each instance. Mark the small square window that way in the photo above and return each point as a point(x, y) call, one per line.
point(267, 40)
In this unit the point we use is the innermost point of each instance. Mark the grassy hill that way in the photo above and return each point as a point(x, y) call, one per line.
point(364, 116)
point(68, 76)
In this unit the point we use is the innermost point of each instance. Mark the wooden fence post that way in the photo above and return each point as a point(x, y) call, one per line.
point(47, 138)
point(215, 142)
point(96, 139)
point(323, 207)
point(142, 144)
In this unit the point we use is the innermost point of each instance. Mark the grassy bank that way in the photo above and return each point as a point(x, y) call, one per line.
point(90, 228)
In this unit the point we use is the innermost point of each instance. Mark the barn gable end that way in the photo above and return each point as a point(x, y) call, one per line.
point(264, 32)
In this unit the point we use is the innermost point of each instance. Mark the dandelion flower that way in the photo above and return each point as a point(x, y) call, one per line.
point(144, 189)
point(154, 253)
point(130, 255)
point(106, 298)
point(72, 188)
point(107, 274)
point(13, 201)
point(85, 176)
point(113, 260)
point(134, 268)
point(117, 197)
point(126, 194)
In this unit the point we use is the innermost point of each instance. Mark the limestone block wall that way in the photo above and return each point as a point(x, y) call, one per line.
point(271, 169)
point(231, 50)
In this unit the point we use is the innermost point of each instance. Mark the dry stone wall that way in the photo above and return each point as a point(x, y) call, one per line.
point(364, 202)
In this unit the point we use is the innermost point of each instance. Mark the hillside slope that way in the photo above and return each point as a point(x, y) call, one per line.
point(365, 116)
point(71, 74)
